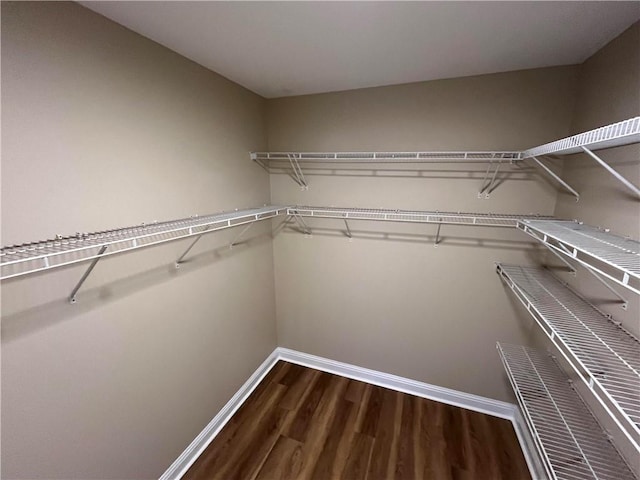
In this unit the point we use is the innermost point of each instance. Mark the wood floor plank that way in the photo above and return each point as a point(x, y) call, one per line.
point(322, 418)
point(283, 462)
point(299, 426)
point(223, 456)
point(355, 390)
point(326, 466)
point(405, 464)
point(305, 424)
point(384, 449)
point(372, 413)
point(359, 457)
point(295, 392)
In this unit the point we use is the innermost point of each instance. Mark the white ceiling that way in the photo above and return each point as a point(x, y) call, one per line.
point(292, 48)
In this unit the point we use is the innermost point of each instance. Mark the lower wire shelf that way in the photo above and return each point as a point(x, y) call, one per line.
point(569, 439)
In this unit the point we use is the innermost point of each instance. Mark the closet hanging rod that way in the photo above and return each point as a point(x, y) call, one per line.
point(43, 255)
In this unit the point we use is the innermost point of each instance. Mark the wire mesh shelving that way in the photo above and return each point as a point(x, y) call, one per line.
point(609, 136)
point(615, 257)
point(605, 355)
point(413, 216)
point(569, 439)
point(17, 260)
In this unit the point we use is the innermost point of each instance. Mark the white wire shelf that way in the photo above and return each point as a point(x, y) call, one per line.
point(617, 258)
point(606, 356)
point(267, 158)
point(412, 216)
point(614, 135)
point(570, 441)
point(42, 255)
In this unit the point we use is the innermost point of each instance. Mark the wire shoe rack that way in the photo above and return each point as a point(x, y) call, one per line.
point(606, 356)
point(569, 439)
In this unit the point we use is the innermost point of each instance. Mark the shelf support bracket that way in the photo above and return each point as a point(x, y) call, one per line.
point(195, 240)
point(346, 224)
point(557, 178)
point(571, 268)
point(301, 223)
point(624, 303)
point(281, 225)
point(297, 171)
point(239, 236)
point(437, 240)
point(608, 168)
point(72, 297)
point(487, 188)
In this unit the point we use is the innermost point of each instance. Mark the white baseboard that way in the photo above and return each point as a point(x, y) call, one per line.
point(401, 384)
point(180, 466)
point(456, 398)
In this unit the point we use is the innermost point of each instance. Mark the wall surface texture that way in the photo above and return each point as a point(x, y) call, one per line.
point(388, 299)
point(102, 128)
point(609, 91)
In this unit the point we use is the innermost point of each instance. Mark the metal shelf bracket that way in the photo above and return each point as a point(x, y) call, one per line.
point(348, 232)
point(557, 178)
point(487, 188)
point(72, 297)
point(184, 254)
point(298, 175)
point(608, 168)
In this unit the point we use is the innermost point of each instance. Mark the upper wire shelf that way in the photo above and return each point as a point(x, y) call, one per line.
point(615, 257)
point(569, 439)
point(614, 135)
point(267, 158)
point(606, 356)
point(17, 260)
point(412, 216)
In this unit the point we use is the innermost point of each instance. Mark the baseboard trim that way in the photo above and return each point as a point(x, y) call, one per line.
point(456, 398)
point(180, 466)
point(401, 384)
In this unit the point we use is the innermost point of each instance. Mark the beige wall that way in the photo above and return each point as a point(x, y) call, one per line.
point(103, 128)
point(609, 91)
point(403, 306)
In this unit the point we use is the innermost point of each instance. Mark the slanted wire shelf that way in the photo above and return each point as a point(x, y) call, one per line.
point(271, 158)
point(606, 356)
point(413, 216)
point(615, 257)
point(569, 439)
point(37, 256)
point(614, 135)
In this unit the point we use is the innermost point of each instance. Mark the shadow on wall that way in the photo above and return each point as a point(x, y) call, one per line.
point(509, 172)
point(428, 239)
point(28, 321)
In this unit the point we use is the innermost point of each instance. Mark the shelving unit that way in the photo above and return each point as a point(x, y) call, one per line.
point(283, 158)
point(43, 255)
point(615, 135)
point(614, 257)
point(412, 216)
point(293, 162)
point(569, 439)
point(605, 356)
point(609, 136)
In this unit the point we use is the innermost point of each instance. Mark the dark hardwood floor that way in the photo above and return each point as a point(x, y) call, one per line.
point(301, 423)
